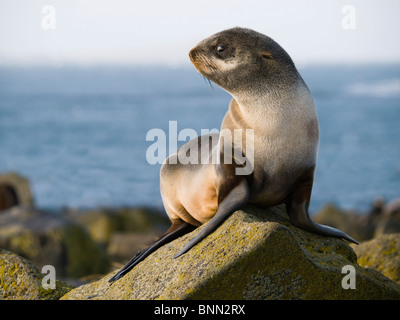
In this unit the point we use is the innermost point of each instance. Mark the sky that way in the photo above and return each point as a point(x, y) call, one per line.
point(126, 32)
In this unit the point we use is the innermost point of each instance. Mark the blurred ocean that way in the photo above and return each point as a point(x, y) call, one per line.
point(79, 135)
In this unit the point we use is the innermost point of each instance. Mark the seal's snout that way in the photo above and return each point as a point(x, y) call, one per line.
point(198, 60)
point(192, 54)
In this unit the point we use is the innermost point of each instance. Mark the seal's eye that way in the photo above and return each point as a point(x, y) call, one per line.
point(220, 48)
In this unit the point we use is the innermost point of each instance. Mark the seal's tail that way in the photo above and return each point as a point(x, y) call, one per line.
point(178, 229)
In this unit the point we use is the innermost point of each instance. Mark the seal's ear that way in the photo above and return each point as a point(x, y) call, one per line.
point(267, 55)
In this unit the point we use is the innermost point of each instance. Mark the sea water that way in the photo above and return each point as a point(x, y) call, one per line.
point(79, 135)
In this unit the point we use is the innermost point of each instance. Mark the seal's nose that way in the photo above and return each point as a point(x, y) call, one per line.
point(192, 54)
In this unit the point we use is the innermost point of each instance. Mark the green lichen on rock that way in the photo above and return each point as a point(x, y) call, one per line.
point(21, 280)
point(255, 254)
point(382, 254)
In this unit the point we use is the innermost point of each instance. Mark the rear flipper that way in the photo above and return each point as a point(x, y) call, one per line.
point(236, 197)
point(177, 230)
point(297, 209)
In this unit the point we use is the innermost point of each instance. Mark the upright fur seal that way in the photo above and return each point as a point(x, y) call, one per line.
point(270, 98)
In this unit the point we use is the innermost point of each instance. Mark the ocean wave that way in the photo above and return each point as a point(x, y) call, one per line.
point(383, 88)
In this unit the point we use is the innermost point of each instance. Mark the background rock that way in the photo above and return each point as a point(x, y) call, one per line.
point(14, 190)
point(124, 245)
point(21, 280)
point(383, 218)
point(121, 232)
point(382, 254)
point(357, 226)
point(49, 239)
point(389, 221)
point(255, 254)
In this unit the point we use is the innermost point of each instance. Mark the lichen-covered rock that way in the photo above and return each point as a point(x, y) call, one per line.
point(21, 280)
point(49, 239)
point(255, 254)
point(382, 254)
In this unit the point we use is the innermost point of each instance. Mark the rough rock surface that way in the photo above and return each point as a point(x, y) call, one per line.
point(382, 254)
point(21, 280)
point(255, 254)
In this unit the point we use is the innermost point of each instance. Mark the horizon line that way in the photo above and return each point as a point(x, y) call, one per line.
point(182, 65)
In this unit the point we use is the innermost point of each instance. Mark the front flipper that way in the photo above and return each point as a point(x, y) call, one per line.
point(232, 201)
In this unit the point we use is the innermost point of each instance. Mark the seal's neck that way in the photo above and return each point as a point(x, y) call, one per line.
point(273, 104)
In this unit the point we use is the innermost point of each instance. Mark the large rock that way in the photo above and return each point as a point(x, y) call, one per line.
point(382, 254)
point(49, 239)
point(21, 280)
point(255, 254)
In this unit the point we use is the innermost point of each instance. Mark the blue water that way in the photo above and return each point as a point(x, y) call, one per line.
point(79, 135)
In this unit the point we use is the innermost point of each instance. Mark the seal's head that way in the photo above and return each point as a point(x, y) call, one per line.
point(241, 59)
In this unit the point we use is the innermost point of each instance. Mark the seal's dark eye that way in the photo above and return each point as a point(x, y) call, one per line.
point(220, 48)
